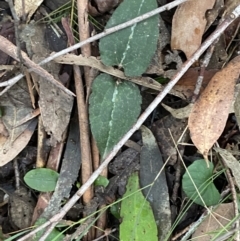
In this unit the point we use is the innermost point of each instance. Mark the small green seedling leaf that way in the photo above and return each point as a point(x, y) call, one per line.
point(115, 210)
point(202, 177)
point(131, 48)
point(101, 181)
point(114, 108)
point(41, 179)
point(138, 219)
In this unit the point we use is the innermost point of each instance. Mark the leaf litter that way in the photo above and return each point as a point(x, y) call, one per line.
point(137, 55)
point(210, 112)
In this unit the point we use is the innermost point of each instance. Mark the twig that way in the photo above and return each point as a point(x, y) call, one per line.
point(16, 28)
point(84, 33)
point(98, 36)
point(106, 233)
point(86, 169)
point(7, 47)
point(56, 218)
point(86, 158)
point(204, 64)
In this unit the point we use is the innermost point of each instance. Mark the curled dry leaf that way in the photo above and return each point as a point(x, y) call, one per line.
point(188, 26)
point(210, 112)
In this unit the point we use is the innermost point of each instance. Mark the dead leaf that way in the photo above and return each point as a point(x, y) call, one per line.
point(179, 113)
point(95, 63)
point(55, 106)
point(212, 14)
point(210, 112)
point(206, 231)
point(104, 6)
point(21, 208)
point(9, 149)
point(231, 162)
point(16, 105)
point(187, 83)
point(30, 6)
point(161, 130)
point(237, 108)
point(151, 162)
point(188, 25)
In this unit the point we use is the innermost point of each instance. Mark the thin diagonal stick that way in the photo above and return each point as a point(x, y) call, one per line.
point(98, 36)
point(56, 218)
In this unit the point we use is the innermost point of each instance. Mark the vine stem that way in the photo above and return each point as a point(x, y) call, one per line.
point(56, 218)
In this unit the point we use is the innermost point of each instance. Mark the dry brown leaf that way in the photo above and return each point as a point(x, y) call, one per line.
point(180, 113)
point(9, 150)
point(188, 25)
point(55, 106)
point(210, 112)
point(186, 84)
point(97, 64)
point(206, 231)
point(30, 6)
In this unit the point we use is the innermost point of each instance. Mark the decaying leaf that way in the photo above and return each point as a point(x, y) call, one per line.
point(21, 208)
point(237, 107)
point(29, 8)
point(179, 113)
point(54, 104)
point(151, 163)
point(220, 217)
point(15, 105)
point(97, 64)
point(9, 149)
point(231, 162)
point(187, 83)
point(188, 25)
point(210, 112)
point(161, 130)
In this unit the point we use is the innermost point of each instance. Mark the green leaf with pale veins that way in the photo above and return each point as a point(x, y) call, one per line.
point(203, 179)
point(138, 221)
point(114, 108)
point(131, 48)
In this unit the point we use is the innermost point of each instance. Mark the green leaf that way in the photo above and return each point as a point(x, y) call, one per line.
point(101, 181)
point(202, 177)
point(114, 108)
point(115, 210)
point(138, 220)
point(131, 48)
point(41, 179)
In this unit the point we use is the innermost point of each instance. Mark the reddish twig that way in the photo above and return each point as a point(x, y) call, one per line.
point(84, 33)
